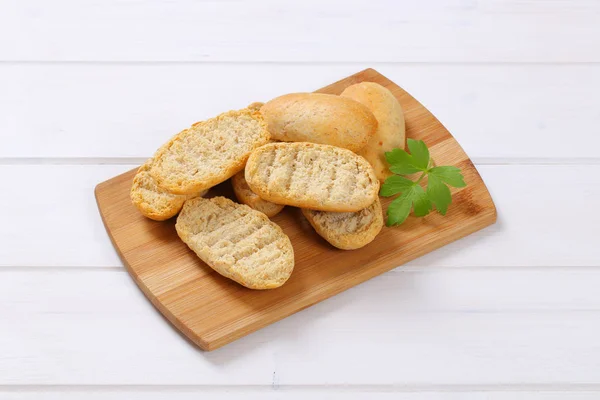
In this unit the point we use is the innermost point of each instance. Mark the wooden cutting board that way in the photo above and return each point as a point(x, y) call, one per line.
point(212, 310)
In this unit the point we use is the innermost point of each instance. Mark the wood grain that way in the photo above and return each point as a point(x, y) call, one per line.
point(212, 310)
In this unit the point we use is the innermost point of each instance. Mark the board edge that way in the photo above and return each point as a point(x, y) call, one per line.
point(188, 333)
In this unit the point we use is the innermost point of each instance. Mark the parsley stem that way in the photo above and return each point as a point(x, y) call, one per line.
point(421, 177)
point(424, 174)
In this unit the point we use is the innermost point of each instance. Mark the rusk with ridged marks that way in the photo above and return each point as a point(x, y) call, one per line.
point(238, 242)
point(314, 176)
point(347, 230)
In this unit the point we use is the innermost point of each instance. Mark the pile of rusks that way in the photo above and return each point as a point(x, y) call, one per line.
point(322, 153)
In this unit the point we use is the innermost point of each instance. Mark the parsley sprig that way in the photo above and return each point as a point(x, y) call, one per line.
point(412, 195)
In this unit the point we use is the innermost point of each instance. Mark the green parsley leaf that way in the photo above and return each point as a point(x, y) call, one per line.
point(439, 194)
point(395, 184)
point(422, 204)
point(401, 162)
point(419, 153)
point(398, 210)
point(449, 175)
point(412, 195)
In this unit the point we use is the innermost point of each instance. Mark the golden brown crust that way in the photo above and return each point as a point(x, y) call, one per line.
point(245, 195)
point(348, 231)
point(151, 200)
point(319, 118)
point(209, 152)
point(256, 105)
point(390, 132)
point(314, 176)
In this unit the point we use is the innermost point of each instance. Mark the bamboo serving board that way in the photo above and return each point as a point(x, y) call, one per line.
point(212, 310)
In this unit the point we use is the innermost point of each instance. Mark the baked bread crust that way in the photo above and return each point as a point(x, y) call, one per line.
point(391, 130)
point(245, 195)
point(209, 152)
point(236, 241)
point(314, 176)
point(151, 200)
point(320, 118)
point(348, 230)
point(256, 105)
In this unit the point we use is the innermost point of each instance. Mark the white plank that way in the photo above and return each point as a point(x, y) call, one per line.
point(129, 110)
point(284, 394)
point(51, 217)
point(405, 329)
point(310, 30)
point(547, 217)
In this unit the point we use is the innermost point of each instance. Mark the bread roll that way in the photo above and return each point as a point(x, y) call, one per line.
point(236, 241)
point(314, 176)
point(209, 152)
point(319, 118)
point(347, 230)
point(390, 132)
point(153, 201)
point(246, 196)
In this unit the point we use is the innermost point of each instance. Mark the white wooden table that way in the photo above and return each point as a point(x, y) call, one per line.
point(88, 89)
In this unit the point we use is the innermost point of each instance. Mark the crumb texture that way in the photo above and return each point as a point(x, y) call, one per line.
point(314, 176)
point(153, 201)
point(209, 152)
point(348, 230)
point(236, 241)
point(245, 195)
